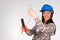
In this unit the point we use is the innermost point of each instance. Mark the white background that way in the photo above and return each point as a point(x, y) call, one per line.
point(11, 11)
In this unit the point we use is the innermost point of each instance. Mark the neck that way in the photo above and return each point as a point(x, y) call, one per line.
point(45, 21)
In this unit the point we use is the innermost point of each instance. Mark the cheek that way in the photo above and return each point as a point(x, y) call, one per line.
point(49, 15)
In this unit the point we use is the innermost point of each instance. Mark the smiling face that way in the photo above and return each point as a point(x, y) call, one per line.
point(46, 15)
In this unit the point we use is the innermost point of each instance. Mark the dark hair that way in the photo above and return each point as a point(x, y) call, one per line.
point(49, 21)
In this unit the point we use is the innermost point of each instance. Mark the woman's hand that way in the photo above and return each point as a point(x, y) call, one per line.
point(24, 29)
point(32, 13)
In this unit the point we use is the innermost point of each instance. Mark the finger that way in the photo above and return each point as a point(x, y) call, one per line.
point(22, 29)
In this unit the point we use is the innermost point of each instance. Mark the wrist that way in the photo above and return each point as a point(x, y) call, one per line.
point(35, 16)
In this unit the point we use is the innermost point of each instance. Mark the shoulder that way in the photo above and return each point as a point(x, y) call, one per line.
point(52, 24)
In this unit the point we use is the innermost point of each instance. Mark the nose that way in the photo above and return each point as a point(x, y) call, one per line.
point(46, 14)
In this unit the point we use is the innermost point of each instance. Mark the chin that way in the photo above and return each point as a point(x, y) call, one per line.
point(46, 19)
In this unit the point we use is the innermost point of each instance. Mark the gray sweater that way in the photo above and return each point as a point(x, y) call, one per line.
point(41, 31)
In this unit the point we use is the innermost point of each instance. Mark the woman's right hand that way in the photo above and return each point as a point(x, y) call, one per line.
point(24, 29)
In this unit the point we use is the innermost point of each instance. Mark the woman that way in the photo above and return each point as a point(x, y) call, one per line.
point(43, 30)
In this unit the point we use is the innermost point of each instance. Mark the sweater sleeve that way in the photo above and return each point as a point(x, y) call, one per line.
point(30, 32)
point(49, 28)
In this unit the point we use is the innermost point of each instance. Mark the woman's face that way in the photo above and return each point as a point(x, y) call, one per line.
point(46, 15)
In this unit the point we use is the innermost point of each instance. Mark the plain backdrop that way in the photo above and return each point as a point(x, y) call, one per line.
point(11, 12)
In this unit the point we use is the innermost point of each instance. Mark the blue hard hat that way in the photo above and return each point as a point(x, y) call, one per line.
point(47, 7)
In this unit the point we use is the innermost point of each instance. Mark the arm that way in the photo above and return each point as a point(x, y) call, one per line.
point(30, 32)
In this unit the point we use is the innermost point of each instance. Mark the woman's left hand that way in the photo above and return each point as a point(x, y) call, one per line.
point(32, 13)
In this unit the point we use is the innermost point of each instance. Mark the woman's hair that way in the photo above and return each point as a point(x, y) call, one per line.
point(49, 21)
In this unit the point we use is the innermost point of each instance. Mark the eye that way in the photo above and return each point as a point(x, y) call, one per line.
point(44, 13)
point(49, 12)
